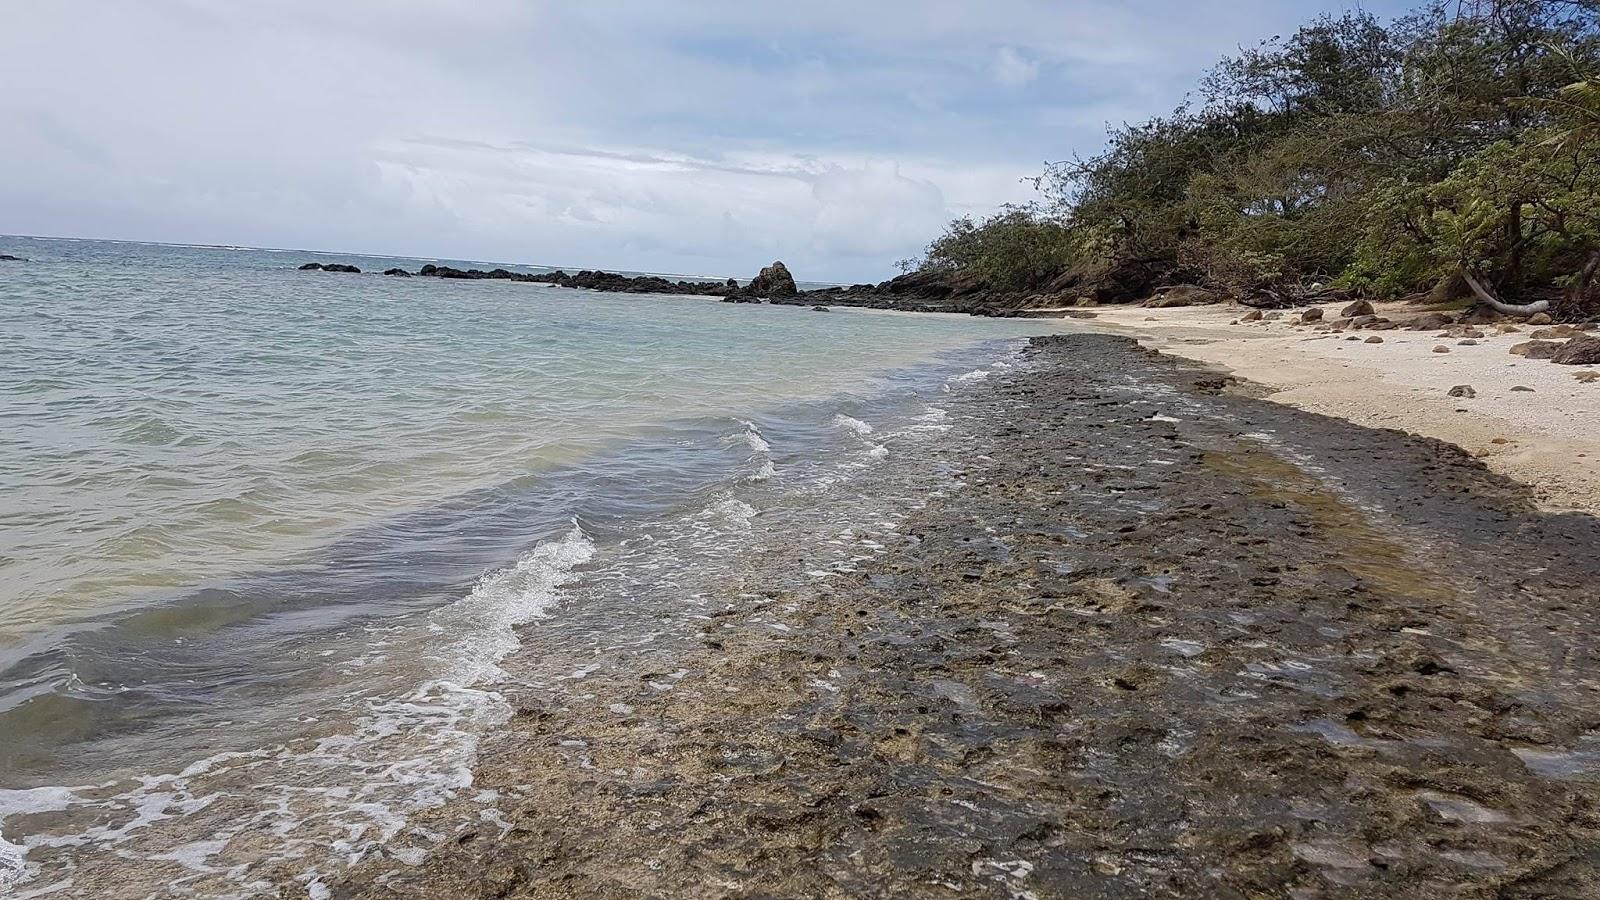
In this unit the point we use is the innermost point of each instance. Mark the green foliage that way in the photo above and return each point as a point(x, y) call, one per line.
point(1017, 248)
point(1385, 158)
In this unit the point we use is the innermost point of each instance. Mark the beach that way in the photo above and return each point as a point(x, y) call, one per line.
point(1148, 636)
point(1547, 438)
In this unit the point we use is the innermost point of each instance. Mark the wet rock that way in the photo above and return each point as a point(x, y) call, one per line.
point(819, 309)
point(398, 273)
point(1357, 309)
point(1579, 351)
point(1535, 349)
point(330, 267)
point(6, 257)
point(1463, 390)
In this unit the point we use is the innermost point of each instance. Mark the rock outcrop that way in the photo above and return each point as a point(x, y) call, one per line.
point(330, 267)
point(774, 281)
point(6, 257)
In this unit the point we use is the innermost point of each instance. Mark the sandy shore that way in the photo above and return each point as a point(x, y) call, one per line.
point(1548, 438)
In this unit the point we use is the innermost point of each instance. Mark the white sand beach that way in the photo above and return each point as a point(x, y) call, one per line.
point(1547, 437)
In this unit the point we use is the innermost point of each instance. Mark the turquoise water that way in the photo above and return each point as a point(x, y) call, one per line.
point(252, 513)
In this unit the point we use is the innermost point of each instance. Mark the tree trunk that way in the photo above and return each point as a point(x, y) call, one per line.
point(1500, 306)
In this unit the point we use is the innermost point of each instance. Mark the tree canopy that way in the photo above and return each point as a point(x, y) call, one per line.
point(1453, 151)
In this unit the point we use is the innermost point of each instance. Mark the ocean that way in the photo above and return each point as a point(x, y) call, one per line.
point(270, 540)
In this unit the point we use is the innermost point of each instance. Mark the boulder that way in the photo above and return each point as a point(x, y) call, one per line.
point(1358, 308)
point(6, 257)
point(1469, 342)
point(1361, 321)
point(1374, 340)
point(400, 273)
point(329, 267)
point(311, 267)
point(1588, 376)
point(1535, 349)
point(1463, 390)
point(1482, 315)
point(1540, 319)
point(1314, 314)
point(1559, 331)
point(1430, 321)
point(774, 281)
point(1441, 349)
point(1181, 295)
point(1580, 351)
point(819, 309)
point(1253, 315)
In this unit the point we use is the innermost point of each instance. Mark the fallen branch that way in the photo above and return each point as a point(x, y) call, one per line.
point(1500, 306)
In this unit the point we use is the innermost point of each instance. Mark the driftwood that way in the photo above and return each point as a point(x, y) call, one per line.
point(1486, 295)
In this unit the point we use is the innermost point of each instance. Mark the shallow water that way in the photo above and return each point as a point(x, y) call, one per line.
point(268, 535)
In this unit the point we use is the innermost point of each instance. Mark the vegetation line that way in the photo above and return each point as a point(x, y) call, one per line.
point(1453, 153)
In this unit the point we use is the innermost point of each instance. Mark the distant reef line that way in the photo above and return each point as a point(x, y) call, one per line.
point(912, 292)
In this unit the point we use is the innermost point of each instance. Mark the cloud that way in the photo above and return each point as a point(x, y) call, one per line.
point(1012, 69)
point(710, 136)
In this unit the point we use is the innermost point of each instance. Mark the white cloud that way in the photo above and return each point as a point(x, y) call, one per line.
point(1012, 69)
point(708, 136)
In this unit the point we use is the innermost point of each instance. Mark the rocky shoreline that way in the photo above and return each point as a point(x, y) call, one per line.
point(913, 292)
point(1166, 640)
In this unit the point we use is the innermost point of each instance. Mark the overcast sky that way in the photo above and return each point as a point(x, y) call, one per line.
point(694, 136)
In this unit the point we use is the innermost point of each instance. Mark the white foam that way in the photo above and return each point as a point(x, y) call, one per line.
point(730, 509)
point(487, 617)
point(751, 437)
point(852, 424)
point(978, 375)
point(333, 800)
point(878, 451)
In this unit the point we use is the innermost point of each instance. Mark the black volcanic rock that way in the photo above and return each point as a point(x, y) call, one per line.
point(5, 257)
point(774, 281)
point(330, 267)
point(398, 272)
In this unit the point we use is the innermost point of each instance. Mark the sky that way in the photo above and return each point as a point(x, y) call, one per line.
point(684, 136)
